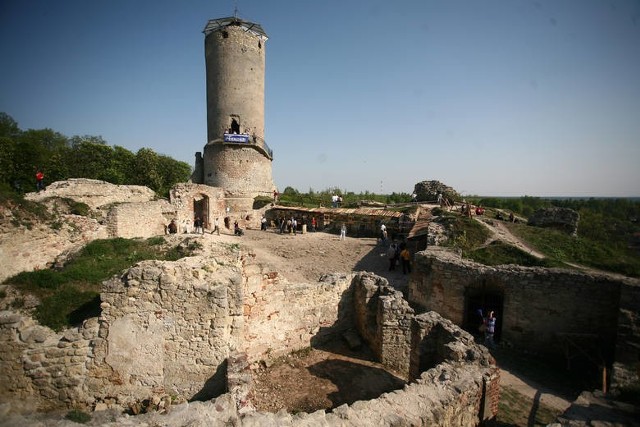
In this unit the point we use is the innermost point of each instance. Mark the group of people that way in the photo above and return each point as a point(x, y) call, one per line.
point(185, 227)
point(399, 254)
point(336, 201)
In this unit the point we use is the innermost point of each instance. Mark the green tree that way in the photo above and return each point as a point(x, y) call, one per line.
point(147, 169)
point(8, 127)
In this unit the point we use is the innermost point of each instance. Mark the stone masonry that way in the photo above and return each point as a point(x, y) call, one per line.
point(174, 328)
point(541, 308)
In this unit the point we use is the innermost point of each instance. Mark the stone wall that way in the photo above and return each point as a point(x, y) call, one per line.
point(383, 318)
point(539, 310)
point(563, 219)
point(43, 369)
point(191, 200)
point(281, 317)
point(143, 219)
point(93, 192)
point(191, 328)
point(238, 168)
point(167, 327)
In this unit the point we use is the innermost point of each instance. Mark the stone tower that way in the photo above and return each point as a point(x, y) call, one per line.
point(236, 156)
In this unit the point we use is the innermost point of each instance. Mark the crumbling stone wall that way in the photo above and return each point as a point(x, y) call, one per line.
point(428, 191)
point(383, 318)
point(626, 367)
point(281, 317)
point(173, 328)
point(42, 369)
point(540, 306)
point(184, 196)
point(144, 219)
point(166, 327)
point(563, 219)
point(94, 193)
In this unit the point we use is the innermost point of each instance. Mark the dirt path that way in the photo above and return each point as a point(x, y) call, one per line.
point(502, 233)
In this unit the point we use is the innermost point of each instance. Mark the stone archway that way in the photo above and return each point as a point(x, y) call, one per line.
point(201, 209)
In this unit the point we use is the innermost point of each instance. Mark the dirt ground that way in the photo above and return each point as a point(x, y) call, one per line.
point(324, 378)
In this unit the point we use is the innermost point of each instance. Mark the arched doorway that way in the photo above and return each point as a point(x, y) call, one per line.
point(201, 210)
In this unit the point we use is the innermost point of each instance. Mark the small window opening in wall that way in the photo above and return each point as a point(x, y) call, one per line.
point(225, 35)
point(235, 126)
point(259, 45)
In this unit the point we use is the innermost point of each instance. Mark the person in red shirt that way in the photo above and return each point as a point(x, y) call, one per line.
point(39, 180)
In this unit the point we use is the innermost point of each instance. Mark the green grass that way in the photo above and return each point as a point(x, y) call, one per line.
point(78, 416)
point(71, 294)
point(464, 233)
point(499, 253)
point(516, 409)
point(560, 248)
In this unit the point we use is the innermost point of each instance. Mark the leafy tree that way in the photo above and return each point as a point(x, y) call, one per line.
point(8, 127)
point(147, 169)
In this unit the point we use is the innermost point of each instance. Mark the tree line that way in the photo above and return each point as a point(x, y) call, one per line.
point(23, 152)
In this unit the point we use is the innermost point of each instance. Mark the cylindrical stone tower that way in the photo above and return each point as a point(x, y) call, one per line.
point(236, 156)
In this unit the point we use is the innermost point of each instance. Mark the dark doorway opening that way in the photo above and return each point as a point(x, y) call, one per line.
point(486, 300)
point(235, 126)
point(201, 210)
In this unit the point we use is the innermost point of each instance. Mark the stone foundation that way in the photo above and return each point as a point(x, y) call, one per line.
point(191, 328)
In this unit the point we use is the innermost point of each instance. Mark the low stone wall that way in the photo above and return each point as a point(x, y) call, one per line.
point(42, 369)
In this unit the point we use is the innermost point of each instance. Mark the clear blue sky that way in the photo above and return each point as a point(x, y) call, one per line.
point(505, 98)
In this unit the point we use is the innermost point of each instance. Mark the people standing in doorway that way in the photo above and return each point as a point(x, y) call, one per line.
point(490, 330)
point(197, 223)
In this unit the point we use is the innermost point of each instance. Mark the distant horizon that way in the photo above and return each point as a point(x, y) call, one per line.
point(511, 98)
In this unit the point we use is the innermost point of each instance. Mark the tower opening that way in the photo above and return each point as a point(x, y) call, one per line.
point(235, 126)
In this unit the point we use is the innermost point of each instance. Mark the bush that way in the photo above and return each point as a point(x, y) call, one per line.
point(71, 295)
point(78, 416)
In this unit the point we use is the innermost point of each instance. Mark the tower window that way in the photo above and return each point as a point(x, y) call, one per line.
point(225, 35)
point(235, 126)
point(259, 45)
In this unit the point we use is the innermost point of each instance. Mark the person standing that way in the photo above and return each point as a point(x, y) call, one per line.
point(343, 231)
point(39, 180)
point(216, 227)
point(314, 223)
point(392, 255)
point(405, 257)
point(490, 330)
